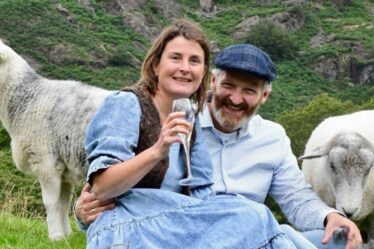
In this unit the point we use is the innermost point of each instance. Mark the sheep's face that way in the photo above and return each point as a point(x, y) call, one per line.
point(349, 161)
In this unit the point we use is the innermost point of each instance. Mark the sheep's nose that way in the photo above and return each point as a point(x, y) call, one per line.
point(349, 212)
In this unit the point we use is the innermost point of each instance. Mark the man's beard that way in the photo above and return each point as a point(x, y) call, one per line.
point(229, 122)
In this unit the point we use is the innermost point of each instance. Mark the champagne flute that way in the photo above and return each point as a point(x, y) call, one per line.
point(185, 105)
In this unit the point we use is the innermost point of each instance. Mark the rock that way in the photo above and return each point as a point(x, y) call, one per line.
point(57, 53)
point(61, 54)
point(147, 25)
point(321, 39)
point(140, 24)
point(358, 69)
point(293, 3)
point(289, 21)
point(87, 5)
point(361, 73)
point(327, 67)
point(341, 4)
point(169, 8)
point(213, 47)
point(122, 6)
point(206, 5)
point(63, 11)
point(244, 27)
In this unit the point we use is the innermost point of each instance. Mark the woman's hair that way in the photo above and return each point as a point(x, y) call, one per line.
point(189, 30)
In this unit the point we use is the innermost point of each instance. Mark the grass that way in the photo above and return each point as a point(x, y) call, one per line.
point(22, 214)
point(31, 233)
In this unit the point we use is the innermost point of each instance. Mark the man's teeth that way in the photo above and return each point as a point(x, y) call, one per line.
point(234, 107)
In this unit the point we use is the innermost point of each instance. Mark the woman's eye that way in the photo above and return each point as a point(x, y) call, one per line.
point(174, 58)
point(195, 61)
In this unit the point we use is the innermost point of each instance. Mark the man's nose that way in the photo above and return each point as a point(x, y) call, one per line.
point(236, 97)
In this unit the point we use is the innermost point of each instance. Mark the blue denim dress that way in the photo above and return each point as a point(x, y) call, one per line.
point(164, 218)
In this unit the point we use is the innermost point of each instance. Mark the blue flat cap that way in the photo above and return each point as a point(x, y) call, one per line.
point(248, 59)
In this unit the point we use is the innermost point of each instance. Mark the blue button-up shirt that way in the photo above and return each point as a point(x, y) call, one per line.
point(257, 160)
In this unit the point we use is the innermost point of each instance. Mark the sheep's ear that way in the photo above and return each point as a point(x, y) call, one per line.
point(316, 153)
point(2, 58)
point(311, 156)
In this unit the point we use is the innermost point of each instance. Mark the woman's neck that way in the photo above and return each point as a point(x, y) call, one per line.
point(163, 105)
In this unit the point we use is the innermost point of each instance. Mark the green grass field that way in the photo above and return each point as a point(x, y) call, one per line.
point(31, 233)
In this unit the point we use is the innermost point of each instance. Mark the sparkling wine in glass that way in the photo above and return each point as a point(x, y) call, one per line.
point(185, 105)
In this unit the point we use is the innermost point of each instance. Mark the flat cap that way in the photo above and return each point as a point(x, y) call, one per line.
point(248, 59)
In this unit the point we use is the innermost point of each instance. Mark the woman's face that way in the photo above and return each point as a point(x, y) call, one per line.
point(181, 68)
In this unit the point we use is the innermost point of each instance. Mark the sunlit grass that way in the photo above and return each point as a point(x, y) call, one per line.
point(31, 233)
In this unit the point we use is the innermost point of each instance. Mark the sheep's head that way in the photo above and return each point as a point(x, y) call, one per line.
point(349, 161)
point(12, 65)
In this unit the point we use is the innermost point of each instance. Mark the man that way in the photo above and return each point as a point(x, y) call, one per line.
point(252, 156)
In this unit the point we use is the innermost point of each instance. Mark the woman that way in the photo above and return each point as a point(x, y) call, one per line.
point(135, 157)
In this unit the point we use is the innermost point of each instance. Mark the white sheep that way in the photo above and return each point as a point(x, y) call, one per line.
point(340, 166)
point(46, 120)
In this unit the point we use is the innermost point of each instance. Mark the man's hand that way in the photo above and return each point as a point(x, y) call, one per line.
point(336, 221)
point(88, 208)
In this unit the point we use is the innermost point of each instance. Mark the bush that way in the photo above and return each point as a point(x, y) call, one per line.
point(276, 42)
point(300, 123)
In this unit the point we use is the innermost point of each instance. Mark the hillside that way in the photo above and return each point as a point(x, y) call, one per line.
point(318, 46)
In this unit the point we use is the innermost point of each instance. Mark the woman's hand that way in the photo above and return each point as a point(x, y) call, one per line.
point(110, 182)
point(87, 208)
point(173, 124)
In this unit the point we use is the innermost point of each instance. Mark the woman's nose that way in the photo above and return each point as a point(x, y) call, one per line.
point(184, 66)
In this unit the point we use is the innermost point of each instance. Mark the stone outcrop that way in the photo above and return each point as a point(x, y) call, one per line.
point(206, 5)
point(289, 21)
point(357, 69)
point(133, 16)
point(328, 68)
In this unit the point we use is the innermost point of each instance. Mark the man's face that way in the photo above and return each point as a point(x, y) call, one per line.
point(236, 98)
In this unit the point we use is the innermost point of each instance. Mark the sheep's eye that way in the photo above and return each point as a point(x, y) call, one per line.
point(367, 172)
point(332, 166)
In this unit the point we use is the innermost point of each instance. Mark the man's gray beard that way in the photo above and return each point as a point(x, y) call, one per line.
point(229, 124)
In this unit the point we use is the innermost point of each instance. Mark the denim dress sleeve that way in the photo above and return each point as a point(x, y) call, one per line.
point(112, 135)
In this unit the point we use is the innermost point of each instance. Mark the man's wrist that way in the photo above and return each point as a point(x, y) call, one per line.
point(81, 225)
point(325, 221)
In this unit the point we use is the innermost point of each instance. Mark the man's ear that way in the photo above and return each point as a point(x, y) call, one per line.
point(265, 96)
point(213, 82)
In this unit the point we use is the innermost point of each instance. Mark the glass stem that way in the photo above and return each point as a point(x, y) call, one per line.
point(186, 147)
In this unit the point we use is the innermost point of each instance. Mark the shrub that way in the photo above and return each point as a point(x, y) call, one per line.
point(276, 42)
point(300, 123)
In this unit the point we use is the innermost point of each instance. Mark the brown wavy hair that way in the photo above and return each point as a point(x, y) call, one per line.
point(189, 30)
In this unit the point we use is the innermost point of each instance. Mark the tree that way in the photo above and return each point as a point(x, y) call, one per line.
point(272, 39)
